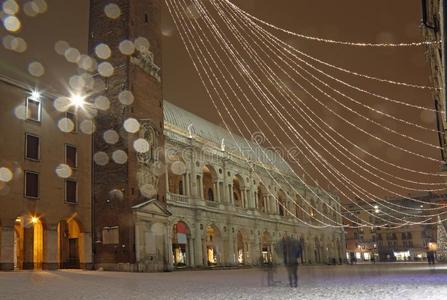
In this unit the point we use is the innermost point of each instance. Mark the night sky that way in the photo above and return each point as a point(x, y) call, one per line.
point(350, 20)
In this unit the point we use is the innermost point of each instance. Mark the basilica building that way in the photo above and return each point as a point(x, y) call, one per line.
point(225, 209)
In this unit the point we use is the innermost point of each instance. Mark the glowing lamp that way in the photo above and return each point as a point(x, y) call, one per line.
point(34, 220)
point(77, 100)
point(35, 95)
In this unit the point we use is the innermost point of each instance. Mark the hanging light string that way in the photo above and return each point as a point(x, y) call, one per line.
point(322, 130)
point(289, 49)
point(200, 56)
point(403, 168)
point(253, 55)
point(268, 72)
point(356, 73)
point(230, 86)
point(189, 42)
point(362, 130)
point(329, 136)
point(230, 114)
point(418, 216)
point(329, 41)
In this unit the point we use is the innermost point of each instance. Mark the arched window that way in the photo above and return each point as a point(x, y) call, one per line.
point(208, 181)
point(210, 195)
point(237, 192)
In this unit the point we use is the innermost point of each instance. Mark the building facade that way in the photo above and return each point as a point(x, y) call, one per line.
point(45, 182)
point(378, 243)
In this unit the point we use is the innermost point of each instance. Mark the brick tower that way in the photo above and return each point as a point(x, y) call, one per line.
point(121, 186)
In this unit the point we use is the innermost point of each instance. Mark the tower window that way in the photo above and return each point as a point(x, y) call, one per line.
point(146, 18)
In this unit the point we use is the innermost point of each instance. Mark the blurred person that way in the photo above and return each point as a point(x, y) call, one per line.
point(290, 249)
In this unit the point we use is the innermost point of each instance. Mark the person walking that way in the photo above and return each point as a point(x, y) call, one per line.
point(291, 252)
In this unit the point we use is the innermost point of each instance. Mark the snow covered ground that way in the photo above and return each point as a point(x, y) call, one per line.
point(381, 281)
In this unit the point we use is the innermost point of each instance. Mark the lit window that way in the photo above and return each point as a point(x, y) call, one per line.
point(72, 116)
point(71, 191)
point(71, 154)
point(33, 109)
point(32, 147)
point(31, 184)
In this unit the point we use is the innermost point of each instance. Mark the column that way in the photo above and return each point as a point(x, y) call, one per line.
point(188, 187)
point(85, 251)
point(166, 178)
point(198, 258)
point(201, 188)
point(168, 245)
point(7, 252)
point(230, 257)
point(190, 253)
point(256, 253)
point(218, 192)
point(50, 248)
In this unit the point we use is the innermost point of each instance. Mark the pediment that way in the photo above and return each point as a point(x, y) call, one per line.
point(152, 206)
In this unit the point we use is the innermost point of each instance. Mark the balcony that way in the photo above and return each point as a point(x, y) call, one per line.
point(177, 198)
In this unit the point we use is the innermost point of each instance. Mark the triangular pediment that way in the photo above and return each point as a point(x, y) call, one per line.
point(151, 206)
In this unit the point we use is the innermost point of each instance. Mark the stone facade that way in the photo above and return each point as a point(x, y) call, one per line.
point(231, 209)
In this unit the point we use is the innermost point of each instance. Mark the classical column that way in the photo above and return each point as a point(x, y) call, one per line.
point(217, 192)
point(168, 243)
point(7, 252)
point(190, 252)
point(50, 248)
point(166, 178)
point(188, 187)
point(198, 258)
point(201, 188)
point(231, 252)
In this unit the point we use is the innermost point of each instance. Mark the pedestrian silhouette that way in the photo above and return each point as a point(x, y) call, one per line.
point(290, 250)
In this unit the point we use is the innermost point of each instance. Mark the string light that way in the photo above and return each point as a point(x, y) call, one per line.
point(403, 168)
point(199, 49)
point(318, 39)
point(197, 69)
point(269, 72)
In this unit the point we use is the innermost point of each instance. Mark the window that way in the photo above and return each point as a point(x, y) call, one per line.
point(31, 184)
point(72, 117)
point(31, 147)
point(110, 235)
point(33, 109)
point(71, 192)
point(71, 156)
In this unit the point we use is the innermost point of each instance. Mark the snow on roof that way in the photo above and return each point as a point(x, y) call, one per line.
point(182, 119)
